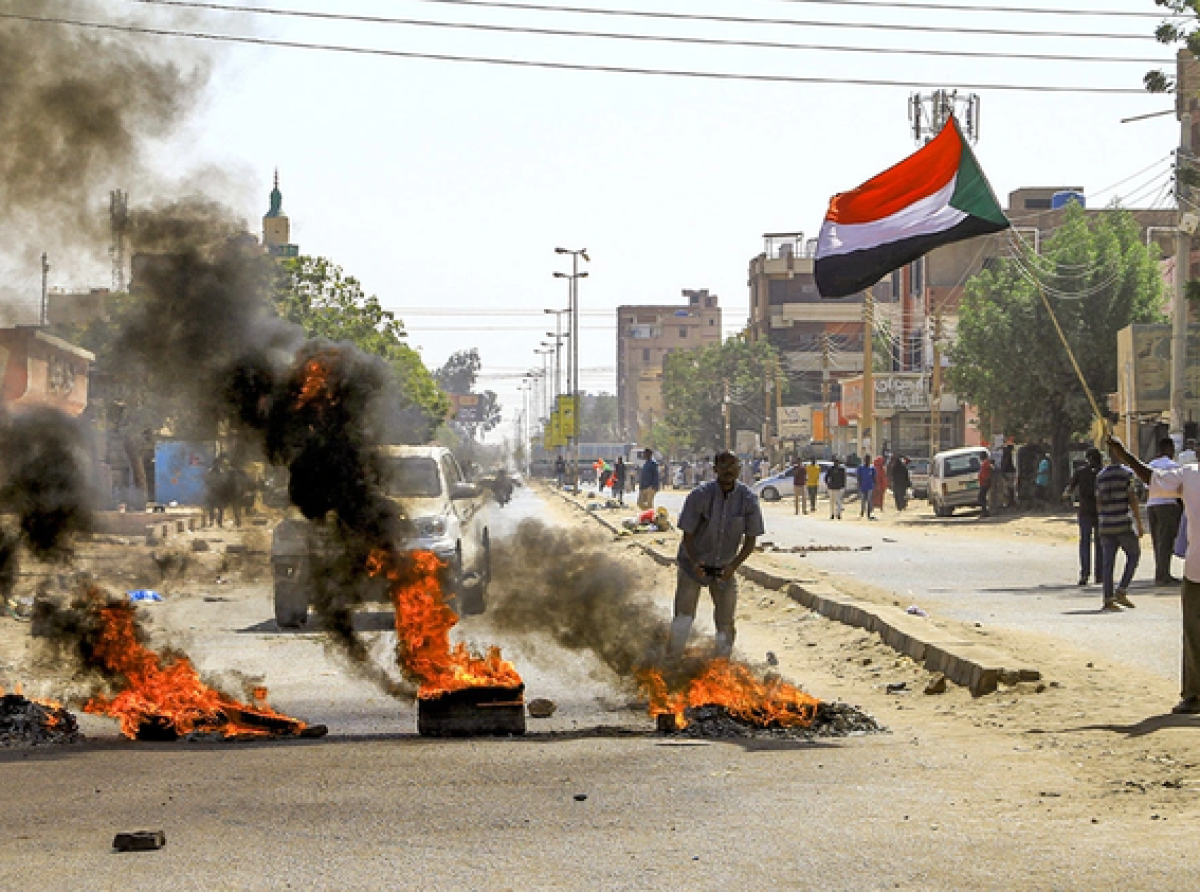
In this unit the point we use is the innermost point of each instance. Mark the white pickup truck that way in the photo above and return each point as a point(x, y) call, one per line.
point(449, 516)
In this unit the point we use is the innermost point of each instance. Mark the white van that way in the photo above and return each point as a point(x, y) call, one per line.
point(954, 479)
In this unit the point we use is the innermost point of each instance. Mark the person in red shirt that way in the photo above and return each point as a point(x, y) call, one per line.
point(985, 483)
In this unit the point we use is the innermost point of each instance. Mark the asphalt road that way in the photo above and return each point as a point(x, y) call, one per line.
point(980, 571)
point(591, 799)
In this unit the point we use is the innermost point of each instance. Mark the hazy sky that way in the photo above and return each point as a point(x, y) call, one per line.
point(445, 186)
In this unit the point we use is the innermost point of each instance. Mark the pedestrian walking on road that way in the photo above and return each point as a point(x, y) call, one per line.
point(1083, 487)
point(620, 471)
point(1120, 514)
point(1041, 482)
point(985, 485)
point(721, 521)
point(812, 483)
point(1164, 511)
point(835, 482)
point(881, 483)
point(900, 480)
point(799, 480)
point(560, 471)
point(1184, 482)
point(649, 480)
point(866, 488)
point(1008, 473)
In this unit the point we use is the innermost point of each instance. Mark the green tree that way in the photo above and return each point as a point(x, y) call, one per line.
point(1008, 359)
point(599, 418)
point(317, 295)
point(697, 384)
point(458, 377)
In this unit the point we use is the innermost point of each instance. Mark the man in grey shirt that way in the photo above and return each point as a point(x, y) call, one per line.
point(720, 520)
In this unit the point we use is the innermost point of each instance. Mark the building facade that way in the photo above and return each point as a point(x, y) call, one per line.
point(646, 335)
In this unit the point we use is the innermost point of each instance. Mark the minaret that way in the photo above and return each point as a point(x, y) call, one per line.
point(276, 228)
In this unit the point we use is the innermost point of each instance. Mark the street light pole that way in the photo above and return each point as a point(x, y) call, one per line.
point(558, 339)
point(576, 403)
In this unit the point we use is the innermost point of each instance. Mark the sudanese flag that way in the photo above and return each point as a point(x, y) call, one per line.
point(935, 196)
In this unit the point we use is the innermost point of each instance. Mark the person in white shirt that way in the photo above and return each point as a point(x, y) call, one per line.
point(1180, 482)
point(1164, 512)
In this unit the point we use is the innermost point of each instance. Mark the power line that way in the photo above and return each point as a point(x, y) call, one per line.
point(652, 38)
point(565, 66)
point(747, 20)
point(1023, 10)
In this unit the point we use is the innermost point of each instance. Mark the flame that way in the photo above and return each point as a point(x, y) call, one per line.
point(423, 624)
point(315, 383)
point(767, 702)
point(168, 691)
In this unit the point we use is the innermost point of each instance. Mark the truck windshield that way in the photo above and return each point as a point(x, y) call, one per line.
point(412, 476)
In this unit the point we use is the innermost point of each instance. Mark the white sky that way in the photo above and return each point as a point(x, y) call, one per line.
point(445, 187)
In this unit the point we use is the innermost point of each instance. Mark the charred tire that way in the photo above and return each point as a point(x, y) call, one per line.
point(770, 494)
point(291, 606)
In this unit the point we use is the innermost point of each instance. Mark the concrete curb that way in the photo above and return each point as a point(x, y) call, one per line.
point(972, 665)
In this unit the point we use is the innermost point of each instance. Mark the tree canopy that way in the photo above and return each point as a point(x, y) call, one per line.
point(1008, 359)
point(317, 295)
point(696, 385)
point(457, 377)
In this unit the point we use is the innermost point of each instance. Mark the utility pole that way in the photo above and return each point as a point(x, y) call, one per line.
point(576, 403)
point(825, 388)
point(44, 315)
point(866, 421)
point(118, 211)
point(935, 389)
point(1183, 256)
point(725, 414)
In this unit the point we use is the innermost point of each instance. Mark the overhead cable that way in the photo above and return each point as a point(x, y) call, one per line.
point(654, 38)
point(565, 66)
point(698, 17)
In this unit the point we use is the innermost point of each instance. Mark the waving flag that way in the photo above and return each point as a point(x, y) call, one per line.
point(935, 196)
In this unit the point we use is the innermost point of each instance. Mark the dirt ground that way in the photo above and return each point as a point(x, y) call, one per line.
point(1088, 744)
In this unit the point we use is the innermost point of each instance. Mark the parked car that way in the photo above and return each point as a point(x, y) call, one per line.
point(779, 486)
point(448, 515)
point(954, 479)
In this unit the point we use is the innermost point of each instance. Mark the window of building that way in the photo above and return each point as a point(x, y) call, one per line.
point(710, 301)
point(683, 331)
point(712, 321)
point(1037, 204)
point(645, 354)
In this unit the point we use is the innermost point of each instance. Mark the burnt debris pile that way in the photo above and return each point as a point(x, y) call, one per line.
point(831, 720)
point(25, 722)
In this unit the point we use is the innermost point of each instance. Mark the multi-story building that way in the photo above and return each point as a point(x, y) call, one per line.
point(646, 335)
point(915, 309)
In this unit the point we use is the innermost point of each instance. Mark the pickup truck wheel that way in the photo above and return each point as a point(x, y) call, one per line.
point(291, 606)
point(770, 494)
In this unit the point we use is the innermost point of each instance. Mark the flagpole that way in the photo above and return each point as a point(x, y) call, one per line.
point(1071, 355)
point(867, 421)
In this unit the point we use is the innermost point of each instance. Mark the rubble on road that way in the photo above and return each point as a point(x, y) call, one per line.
point(832, 720)
point(25, 722)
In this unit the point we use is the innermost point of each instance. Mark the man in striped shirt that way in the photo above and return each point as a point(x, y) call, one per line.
point(1119, 514)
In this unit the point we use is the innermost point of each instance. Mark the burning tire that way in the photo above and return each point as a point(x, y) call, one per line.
point(291, 605)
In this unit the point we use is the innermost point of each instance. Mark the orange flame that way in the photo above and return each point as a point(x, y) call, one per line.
point(169, 691)
point(423, 624)
point(769, 702)
point(316, 381)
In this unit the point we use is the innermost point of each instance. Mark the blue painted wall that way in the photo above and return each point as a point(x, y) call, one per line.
point(180, 470)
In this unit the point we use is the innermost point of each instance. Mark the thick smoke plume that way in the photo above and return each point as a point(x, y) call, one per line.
point(563, 584)
point(79, 110)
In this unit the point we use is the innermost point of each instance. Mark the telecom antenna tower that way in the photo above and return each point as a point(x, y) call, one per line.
point(119, 215)
point(929, 113)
